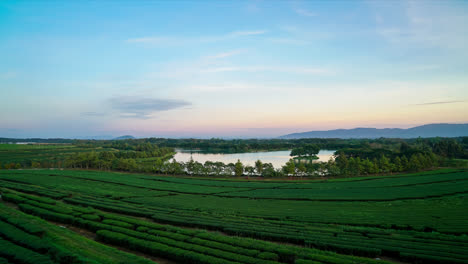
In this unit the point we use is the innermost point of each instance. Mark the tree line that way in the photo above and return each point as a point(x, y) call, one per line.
point(370, 158)
point(356, 157)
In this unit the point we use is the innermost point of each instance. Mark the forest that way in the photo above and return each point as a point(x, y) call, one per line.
point(154, 155)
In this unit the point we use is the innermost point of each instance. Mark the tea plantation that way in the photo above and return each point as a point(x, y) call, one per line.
point(77, 216)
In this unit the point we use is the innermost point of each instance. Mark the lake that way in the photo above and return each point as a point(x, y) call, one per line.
point(277, 158)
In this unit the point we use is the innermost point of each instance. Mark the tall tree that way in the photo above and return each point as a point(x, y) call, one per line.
point(249, 170)
point(384, 164)
point(301, 168)
point(259, 167)
point(239, 168)
point(398, 165)
point(342, 161)
point(268, 170)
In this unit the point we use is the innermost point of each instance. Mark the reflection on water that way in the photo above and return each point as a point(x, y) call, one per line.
point(277, 158)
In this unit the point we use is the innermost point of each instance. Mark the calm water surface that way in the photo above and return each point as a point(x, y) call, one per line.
point(277, 158)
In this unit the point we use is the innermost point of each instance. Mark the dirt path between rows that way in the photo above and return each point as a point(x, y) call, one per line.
point(92, 236)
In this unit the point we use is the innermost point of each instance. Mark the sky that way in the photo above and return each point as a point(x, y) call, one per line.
point(231, 69)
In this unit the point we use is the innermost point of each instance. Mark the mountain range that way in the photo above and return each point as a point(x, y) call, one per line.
point(429, 130)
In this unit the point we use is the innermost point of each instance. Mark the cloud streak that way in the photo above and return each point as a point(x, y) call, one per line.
point(423, 25)
point(285, 69)
point(143, 108)
point(304, 12)
point(292, 41)
point(236, 34)
point(175, 40)
point(441, 102)
point(226, 54)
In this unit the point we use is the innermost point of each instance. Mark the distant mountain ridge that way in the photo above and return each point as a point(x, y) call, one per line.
point(100, 137)
point(124, 137)
point(429, 130)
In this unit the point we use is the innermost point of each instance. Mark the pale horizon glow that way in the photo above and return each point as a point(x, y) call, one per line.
point(234, 69)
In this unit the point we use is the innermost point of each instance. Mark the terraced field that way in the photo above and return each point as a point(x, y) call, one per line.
point(417, 218)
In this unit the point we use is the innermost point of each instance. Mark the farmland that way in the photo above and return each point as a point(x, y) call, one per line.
point(14, 153)
point(234, 132)
point(59, 155)
point(416, 218)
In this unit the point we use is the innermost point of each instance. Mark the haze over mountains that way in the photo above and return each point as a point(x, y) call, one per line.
point(429, 130)
point(124, 137)
point(104, 137)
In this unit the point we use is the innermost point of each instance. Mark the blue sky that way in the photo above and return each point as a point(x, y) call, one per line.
point(229, 68)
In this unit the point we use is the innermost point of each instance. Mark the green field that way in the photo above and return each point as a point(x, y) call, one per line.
point(24, 154)
point(417, 218)
point(82, 155)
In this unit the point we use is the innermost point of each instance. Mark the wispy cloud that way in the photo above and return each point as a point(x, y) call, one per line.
point(297, 35)
point(304, 12)
point(246, 33)
point(226, 54)
point(284, 69)
point(423, 25)
point(143, 108)
point(176, 40)
point(225, 69)
point(216, 64)
point(441, 102)
point(292, 41)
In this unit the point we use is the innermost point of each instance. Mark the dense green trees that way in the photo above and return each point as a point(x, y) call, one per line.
point(289, 168)
point(124, 159)
point(353, 156)
point(308, 152)
point(345, 163)
point(449, 148)
point(358, 166)
point(268, 170)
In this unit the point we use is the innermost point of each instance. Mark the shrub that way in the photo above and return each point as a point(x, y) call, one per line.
point(18, 254)
point(118, 223)
point(268, 255)
point(38, 199)
point(24, 224)
point(62, 218)
point(9, 197)
point(22, 238)
point(91, 217)
point(304, 261)
point(158, 249)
